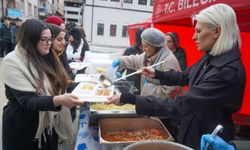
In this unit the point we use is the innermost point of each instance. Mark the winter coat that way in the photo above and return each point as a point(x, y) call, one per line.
point(215, 92)
point(180, 54)
point(153, 86)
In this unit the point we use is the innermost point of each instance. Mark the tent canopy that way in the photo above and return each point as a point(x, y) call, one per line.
point(133, 28)
point(180, 12)
point(177, 15)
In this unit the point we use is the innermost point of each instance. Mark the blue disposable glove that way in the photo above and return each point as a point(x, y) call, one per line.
point(216, 143)
point(118, 74)
point(116, 63)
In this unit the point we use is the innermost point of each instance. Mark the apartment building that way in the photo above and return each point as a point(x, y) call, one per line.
point(27, 9)
point(73, 11)
point(23, 9)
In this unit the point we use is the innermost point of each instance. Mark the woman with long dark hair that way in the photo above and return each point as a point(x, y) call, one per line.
point(35, 82)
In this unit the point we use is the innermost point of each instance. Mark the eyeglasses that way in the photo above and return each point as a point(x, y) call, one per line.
point(46, 40)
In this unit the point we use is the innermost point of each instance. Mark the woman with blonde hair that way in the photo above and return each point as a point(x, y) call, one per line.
point(216, 82)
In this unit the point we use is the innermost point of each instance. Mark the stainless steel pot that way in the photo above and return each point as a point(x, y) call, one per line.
point(159, 145)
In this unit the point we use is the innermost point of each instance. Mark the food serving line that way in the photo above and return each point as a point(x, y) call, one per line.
point(105, 127)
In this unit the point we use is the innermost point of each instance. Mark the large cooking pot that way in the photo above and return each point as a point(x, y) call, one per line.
point(156, 145)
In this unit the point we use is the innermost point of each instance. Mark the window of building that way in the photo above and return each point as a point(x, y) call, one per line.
point(29, 9)
point(22, 5)
point(35, 11)
point(71, 4)
point(115, 0)
point(142, 2)
point(112, 30)
point(128, 1)
point(151, 2)
point(72, 20)
point(124, 31)
point(100, 29)
point(72, 12)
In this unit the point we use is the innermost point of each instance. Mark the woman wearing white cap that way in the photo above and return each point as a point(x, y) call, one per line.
point(154, 51)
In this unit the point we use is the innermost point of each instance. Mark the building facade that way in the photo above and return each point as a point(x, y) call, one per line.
point(73, 11)
point(105, 21)
point(23, 9)
point(27, 9)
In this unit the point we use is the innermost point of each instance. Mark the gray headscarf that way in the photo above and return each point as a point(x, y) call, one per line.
point(153, 37)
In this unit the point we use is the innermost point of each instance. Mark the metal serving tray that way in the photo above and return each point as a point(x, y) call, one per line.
point(117, 124)
point(109, 112)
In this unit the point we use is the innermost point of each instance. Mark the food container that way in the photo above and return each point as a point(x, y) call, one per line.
point(102, 108)
point(91, 92)
point(87, 78)
point(95, 115)
point(149, 145)
point(109, 125)
point(101, 66)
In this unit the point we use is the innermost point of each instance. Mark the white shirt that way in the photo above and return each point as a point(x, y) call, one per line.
point(76, 55)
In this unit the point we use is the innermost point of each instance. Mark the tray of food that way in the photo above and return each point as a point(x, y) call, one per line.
point(87, 78)
point(78, 65)
point(120, 132)
point(92, 92)
point(102, 108)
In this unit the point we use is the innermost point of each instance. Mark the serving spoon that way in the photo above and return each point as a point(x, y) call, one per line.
point(107, 82)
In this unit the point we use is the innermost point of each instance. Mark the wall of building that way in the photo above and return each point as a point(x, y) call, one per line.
point(117, 13)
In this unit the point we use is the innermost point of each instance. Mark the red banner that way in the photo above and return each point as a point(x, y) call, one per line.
point(180, 12)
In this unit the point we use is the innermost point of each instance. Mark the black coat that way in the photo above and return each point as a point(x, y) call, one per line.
point(215, 92)
point(21, 118)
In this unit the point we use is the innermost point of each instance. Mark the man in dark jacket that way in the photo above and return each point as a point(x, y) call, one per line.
point(5, 33)
point(216, 82)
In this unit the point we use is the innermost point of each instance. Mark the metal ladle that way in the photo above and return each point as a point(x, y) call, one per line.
point(107, 82)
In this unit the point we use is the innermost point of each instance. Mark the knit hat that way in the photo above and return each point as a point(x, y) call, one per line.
point(175, 38)
point(54, 20)
point(75, 33)
point(153, 37)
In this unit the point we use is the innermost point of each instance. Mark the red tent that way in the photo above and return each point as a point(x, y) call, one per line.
point(176, 15)
point(133, 28)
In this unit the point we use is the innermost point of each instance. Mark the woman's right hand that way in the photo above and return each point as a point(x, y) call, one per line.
point(147, 71)
point(68, 100)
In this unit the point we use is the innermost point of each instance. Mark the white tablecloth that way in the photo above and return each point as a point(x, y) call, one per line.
point(87, 136)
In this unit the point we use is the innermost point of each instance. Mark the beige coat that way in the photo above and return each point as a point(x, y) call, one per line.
point(153, 86)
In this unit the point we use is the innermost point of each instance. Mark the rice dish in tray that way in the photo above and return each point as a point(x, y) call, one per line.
point(102, 106)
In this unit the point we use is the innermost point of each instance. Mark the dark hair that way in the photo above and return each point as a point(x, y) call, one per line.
point(29, 36)
point(76, 33)
point(138, 38)
point(55, 30)
point(17, 19)
point(6, 18)
point(175, 38)
point(83, 35)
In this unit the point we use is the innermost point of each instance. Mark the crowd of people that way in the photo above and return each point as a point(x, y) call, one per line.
point(38, 80)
